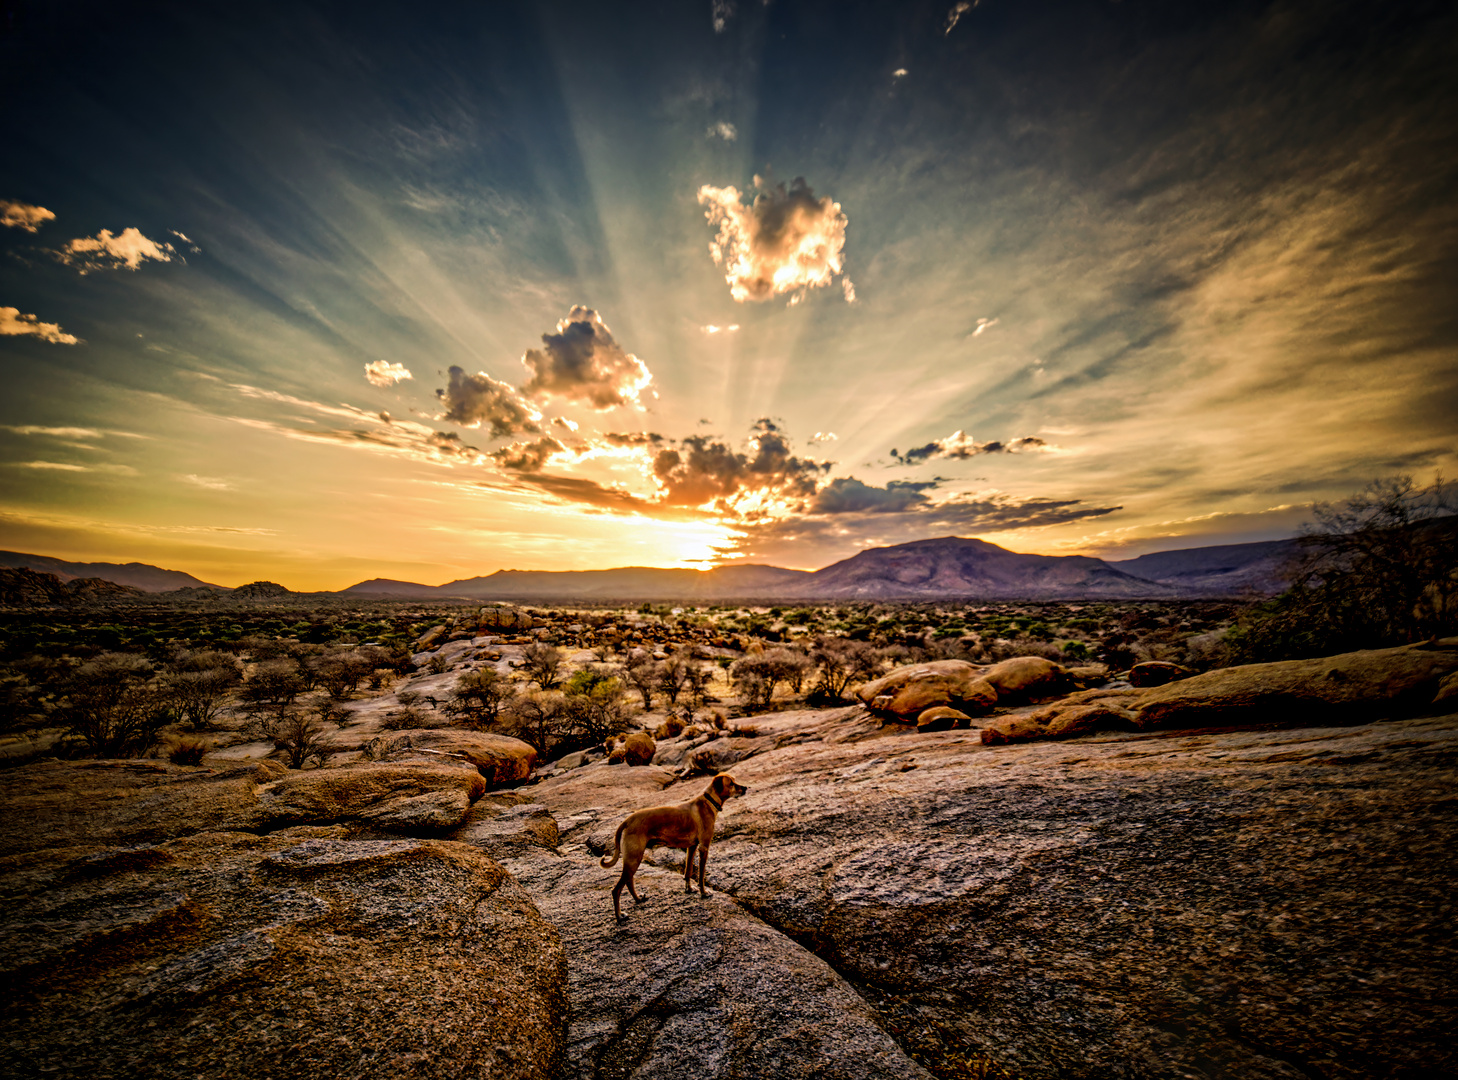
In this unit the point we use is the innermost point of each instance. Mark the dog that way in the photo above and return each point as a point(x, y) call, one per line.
point(688, 825)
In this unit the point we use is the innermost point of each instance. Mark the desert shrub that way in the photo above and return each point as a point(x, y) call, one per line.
point(272, 686)
point(671, 728)
point(187, 751)
point(542, 664)
point(300, 736)
point(438, 664)
point(114, 706)
point(400, 719)
point(199, 684)
point(595, 708)
point(1075, 650)
point(478, 697)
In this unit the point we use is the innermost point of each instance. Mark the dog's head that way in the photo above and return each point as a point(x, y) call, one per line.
point(723, 786)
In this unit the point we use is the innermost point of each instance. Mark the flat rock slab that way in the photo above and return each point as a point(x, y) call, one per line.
point(688, 987)
point(1256, 903)
point(297, 954)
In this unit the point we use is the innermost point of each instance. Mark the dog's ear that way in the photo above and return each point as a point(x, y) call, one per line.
point(721, 784)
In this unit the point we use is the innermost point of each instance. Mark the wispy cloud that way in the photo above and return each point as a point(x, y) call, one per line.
point(19, 215)
point(68, 433)
point(983, 325)
point(581, 362)
point(721, 11)
point(784, 243)
point(711, 329)
point(723, 130)
point(384, 373)
point(14, 324)
point(64, 466)
point(954, 16)
point(104, 251)
point(211, 483)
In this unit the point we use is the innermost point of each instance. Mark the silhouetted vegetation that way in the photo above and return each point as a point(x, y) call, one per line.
point(1378, 569)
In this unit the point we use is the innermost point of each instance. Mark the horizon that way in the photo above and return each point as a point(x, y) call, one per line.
point(319, 293)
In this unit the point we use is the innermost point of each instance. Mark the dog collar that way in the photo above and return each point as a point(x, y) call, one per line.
point(717, 805)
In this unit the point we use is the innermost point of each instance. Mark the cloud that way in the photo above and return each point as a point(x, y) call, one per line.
point(711, 329)
point(582, 362)
point(14, 324)
point(381, 373)
point(107, 252)
point(212, 483)
point(701, 471)
point(960, 8)
point(823, 437)
point(959, 447)
point(784, 243)
point(61, 466)
point(723, 130)
point(19, 215)
point(529, 457)
point(402, 437)
point(847, 495)
point(634, 438)
point(475, 400)
point(983, 325)
point(53, 432)
point(722, 11)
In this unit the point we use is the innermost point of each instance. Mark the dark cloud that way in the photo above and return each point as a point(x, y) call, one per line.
point(634, 438)
point(959, 447)
point(476, 400)
point(582, 362)
point(528, 457)
point(848, 495)
point(702, 470)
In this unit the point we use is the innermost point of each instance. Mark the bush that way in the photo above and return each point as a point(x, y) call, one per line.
point(187, 751)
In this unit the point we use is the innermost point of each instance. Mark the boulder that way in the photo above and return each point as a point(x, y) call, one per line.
point(1447, 689)
point(501, 760)
point(942, 718)
point(1012, 729)
point(1157, 673)
point(431, 638)
point(638, 748)
point(398, 797)
point(909, 691)
point(295, 954)
point(1348, 688)
point(1026, 678)
point(1075, 720)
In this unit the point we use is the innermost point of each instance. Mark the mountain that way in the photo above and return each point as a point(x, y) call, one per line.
point(954, 567)
point(24, 587)
point(412, 590)
point(137, 575)
point(1226, 570)
point(631, 582)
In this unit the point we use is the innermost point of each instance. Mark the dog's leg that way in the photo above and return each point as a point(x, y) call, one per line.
point(688, 867)
point(703, 865)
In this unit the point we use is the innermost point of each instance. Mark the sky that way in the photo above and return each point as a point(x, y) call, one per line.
point(316, 292)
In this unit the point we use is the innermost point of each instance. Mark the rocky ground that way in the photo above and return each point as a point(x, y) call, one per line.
point(1247, 901)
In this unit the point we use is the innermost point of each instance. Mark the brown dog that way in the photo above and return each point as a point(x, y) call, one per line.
point(688, 825)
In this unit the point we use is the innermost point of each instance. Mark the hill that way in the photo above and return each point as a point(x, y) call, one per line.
point(137, 575)
point(1227, 569)
point(954, 567)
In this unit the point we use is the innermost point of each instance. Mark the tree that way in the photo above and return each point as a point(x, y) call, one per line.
point(480, 696)
point(641, 673)
point(114, 706)
point(300, 736)
point(199, 682)
point(671, 676)
point(543, 664)
point(595, 706)
point(1379, 568)
point(537, 718)
point(272, 686)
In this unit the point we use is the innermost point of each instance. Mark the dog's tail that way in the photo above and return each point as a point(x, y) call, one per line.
point(608, 860)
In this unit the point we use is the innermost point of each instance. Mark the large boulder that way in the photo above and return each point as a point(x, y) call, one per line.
point(1349, 688)
point(1157, 673)
point(295, 954)
point(1026, 678)
point(909, 691)
point(942, 718)
point(638, 748)
point(60, 804)
point(501, 760)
